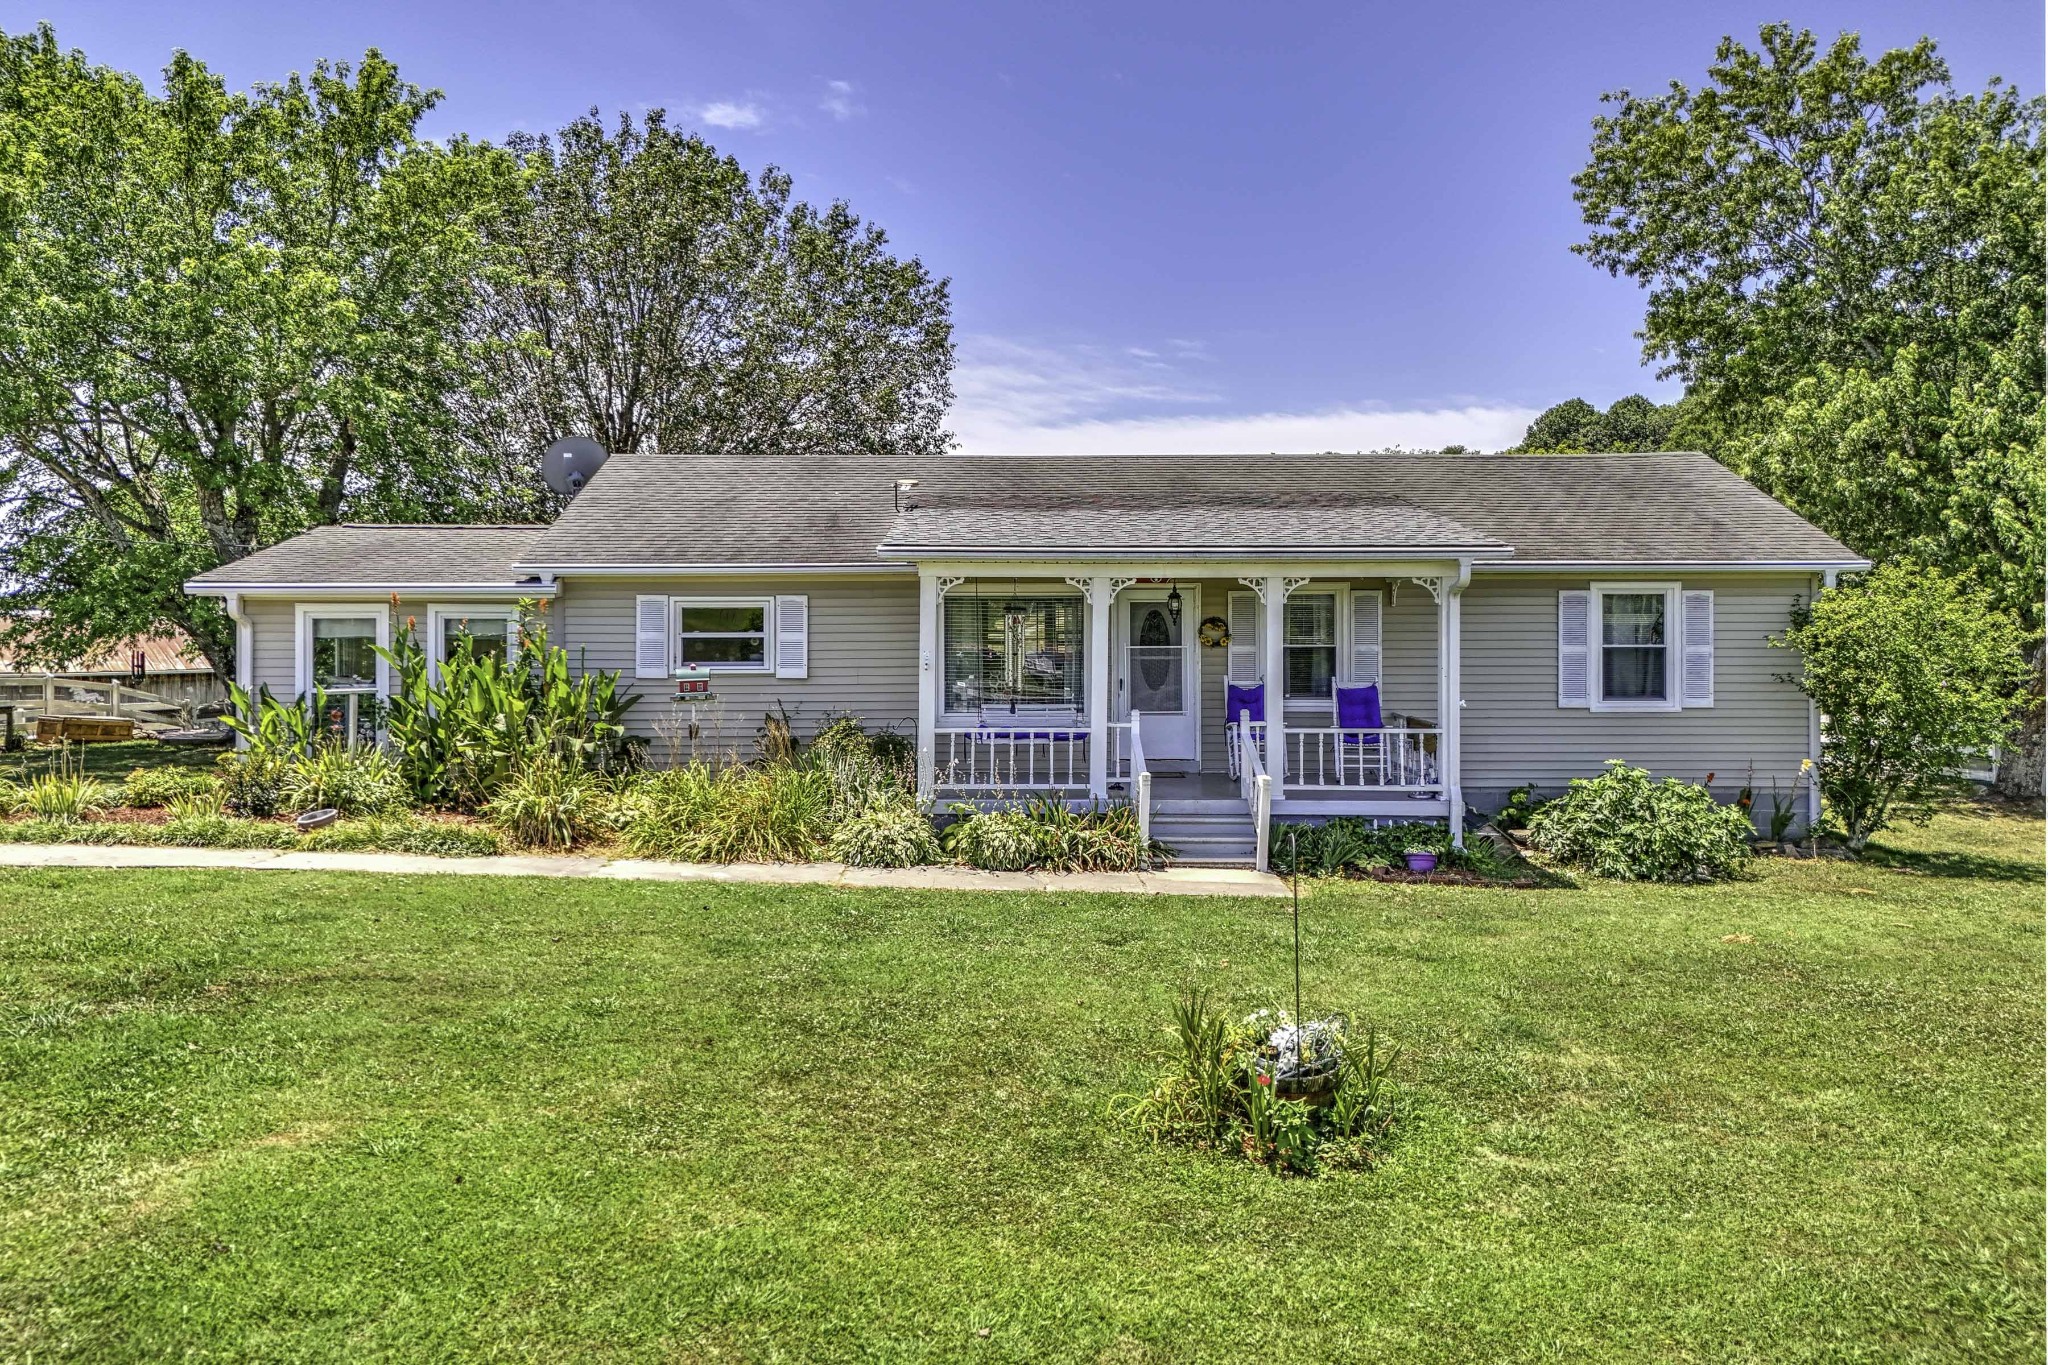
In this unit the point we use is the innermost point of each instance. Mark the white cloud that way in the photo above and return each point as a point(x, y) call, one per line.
point(1017, 399)
point(839, 101)
point(732, 114)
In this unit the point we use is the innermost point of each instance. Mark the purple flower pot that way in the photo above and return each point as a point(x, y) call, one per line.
point(1421, 862)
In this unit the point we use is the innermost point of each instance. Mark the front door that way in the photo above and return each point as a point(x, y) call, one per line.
point(1155, 673)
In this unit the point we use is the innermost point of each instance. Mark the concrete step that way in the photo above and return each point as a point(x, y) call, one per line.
point(1197, 805)
point(1219, 820)
point(1212, 850)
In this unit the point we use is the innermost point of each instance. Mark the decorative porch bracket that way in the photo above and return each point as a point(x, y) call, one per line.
point(947, 582)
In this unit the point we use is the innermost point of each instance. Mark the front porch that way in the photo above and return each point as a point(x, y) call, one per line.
point(1081, 685)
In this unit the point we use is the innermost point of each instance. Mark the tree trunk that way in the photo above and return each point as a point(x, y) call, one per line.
point(2020, 763)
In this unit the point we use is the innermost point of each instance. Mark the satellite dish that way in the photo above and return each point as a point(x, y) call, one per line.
point(570, 463)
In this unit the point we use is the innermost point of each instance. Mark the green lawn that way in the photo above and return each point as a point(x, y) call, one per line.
point(282, 1116)
point(110, 761)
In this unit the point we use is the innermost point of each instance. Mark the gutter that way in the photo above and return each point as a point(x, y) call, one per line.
point(1098, 554)
point(1676, 565)
point(310, 592)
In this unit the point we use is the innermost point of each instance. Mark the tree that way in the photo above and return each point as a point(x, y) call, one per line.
point(653, 296)
point(1914, 672)
point(1634, 423)
point(223, 317)
point(1845, 261)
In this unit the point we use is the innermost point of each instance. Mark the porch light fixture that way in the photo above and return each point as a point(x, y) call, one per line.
point(1173, 604)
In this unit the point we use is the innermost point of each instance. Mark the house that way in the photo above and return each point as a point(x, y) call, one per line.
point(1394, 636)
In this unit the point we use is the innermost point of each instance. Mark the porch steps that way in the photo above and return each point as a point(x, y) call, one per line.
point(1206, 832)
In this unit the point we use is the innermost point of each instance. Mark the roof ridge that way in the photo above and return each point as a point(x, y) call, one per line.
point(435, 526)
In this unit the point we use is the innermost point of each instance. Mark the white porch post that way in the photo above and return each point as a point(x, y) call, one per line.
point(928, 675)
point(1100, 592)
point(1276, 679)
point(1451, 723)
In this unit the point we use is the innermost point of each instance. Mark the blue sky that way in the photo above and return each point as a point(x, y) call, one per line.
point(1185, 226)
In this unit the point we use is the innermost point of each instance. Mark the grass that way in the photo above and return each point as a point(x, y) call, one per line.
point(318, 1116)
point(112, 761)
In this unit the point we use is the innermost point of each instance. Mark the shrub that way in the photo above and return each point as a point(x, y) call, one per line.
point(547, 804)
point(356, 780)
point(252, 781)
point(64, 795)
point(778, 813)
point(204, 803)
point(1222, 1090)
point(202, 830)
point(11, 797)
point(1623, 825)
point(995, 841)
point(148, 787)
point(1916, 674)
point(890, 834)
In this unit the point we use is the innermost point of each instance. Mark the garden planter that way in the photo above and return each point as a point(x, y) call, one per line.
point(316, 819)
point(1419, 861)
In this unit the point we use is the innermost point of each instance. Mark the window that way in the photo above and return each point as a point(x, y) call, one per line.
point(1636, 623)
point(492, 632)
point(726, 633)
point(338, 663)
point(1002, 649)
point(1310, 644)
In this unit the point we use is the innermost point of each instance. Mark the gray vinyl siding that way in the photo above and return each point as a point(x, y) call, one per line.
point(863, 659)
point(1515, 732)
point(272, 627)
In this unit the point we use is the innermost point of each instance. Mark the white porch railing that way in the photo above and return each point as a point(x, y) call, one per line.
point(1254, 784)
point(1394, 758)
point(978, 759)
point(1141, 783)
point(1118, 768)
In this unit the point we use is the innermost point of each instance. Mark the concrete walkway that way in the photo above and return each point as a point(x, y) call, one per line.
point(1173, 881)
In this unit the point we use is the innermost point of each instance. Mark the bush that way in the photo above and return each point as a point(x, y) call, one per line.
point(1223, 1090)
point(1623, 825)
point(891, 834)
point(1916, 674)
point(150, 787)
point(782, 812)
point(216, 831)
point(356, 780)
point(64, 795)
point(995, 841)
point(547, 804)
point(252, 781)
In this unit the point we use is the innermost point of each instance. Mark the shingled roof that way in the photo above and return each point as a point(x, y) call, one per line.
point(843, 512)
point(382, 558)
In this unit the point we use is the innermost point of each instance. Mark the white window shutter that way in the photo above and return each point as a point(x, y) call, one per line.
point(1244, 638)
point(1365, 638)
point(1575, 648)
point(650, 637)
point(792, 637)
point(1697, 615)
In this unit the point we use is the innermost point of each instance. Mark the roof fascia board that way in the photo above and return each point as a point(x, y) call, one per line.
point(1184, 568)
point(707, 570)
point(1487, 566)
point(320, 592)
point(1184, 554)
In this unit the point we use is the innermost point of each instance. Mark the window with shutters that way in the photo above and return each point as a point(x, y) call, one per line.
point(1310, 645)
point(730, 634)
point(1635, 643)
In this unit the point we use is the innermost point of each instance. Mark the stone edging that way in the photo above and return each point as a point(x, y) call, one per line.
point(1175, 881)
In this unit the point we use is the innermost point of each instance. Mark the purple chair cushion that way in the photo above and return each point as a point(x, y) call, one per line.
point(1358, 708)
point(1238, 700)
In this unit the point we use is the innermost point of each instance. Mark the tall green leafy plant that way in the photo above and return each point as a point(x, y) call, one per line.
point(463, 732)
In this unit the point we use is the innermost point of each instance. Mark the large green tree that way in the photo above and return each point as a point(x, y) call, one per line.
point(1631, 424)
point(1844, 259)
point(224, 317)
point(655, 296)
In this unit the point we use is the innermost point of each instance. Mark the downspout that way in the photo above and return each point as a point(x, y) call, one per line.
point(1454, 694)
point(245, 648)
